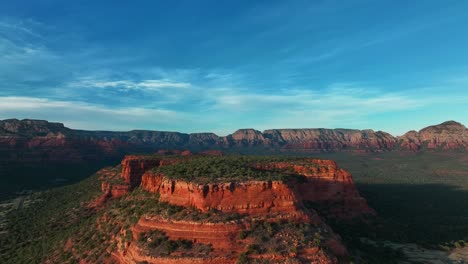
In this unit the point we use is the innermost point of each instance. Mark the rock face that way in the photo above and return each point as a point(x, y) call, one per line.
point(328, 186)
point(449, 135)
point(133, 167)
point(218, 234)
point(331, 139)
point(253, 198)
point(38, 140)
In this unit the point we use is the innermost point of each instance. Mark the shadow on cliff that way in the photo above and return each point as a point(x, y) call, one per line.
point(427, 214)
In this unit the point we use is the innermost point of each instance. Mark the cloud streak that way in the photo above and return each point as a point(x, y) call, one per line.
point(223, 110)
point(148, 85)
point(345, 98)
point(18, 26)
point(83, 115)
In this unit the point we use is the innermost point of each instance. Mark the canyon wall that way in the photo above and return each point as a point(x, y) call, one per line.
point(38, 140)
point(253, 197)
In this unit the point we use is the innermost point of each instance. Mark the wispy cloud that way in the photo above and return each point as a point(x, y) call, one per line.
point(339, 105)
point(83, 115)
point(223, 110)
point(148, 85)
point(356, 98)
point(25, 60)
point(18, 27)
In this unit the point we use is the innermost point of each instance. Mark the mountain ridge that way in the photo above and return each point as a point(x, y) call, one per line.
point(54, 141)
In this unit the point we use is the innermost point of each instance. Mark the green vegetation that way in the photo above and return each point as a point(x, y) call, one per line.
point(61, 227)
point(212, 216)
point(114, 175)
point(243, 258)
point(420, 198)
point(34, 231)
point(39, 176)
point(229, 168)
point(116, 219)
point(281, 238)
point(156, 243)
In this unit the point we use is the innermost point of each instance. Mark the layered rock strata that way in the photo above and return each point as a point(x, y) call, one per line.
point(449, 135)
point(38, 140)
point(219, 235)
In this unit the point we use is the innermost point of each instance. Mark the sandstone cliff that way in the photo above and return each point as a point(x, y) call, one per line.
point(133, 168)
point(253, 198)
point(332, 139)
point(38, 140)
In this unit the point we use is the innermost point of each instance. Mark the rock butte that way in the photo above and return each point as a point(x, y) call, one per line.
point(324, 184)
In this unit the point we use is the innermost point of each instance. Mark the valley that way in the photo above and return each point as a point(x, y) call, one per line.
point(414, 205)
point(400, 206)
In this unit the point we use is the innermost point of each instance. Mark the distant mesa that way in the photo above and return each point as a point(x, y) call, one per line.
point(44, 140)
point(449, 135)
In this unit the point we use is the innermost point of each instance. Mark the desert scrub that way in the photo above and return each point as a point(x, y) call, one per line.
point(204, 170)
point(157, 244)
point(282, 238)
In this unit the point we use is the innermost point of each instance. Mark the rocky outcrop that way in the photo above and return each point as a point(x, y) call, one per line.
point(246, 137)
point(219, 235)
point(225, 242)
point(449, 135)
point(133, 255)
point(133, 168)
point(115, 190)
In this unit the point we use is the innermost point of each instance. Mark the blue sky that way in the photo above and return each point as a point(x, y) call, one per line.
point(195, 66)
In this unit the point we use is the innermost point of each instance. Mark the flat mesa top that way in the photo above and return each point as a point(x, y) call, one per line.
point(209, 169)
